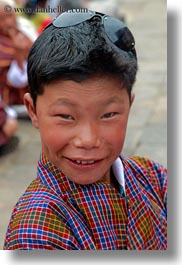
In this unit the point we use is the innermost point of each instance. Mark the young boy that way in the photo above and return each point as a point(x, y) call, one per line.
point(86, 196)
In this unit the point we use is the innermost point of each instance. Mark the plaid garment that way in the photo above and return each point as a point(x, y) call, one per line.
point(55, 213)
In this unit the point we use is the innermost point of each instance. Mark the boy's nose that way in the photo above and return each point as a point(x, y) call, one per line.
point(87, 137)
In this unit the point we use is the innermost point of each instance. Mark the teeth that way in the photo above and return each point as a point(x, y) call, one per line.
point(91, 162)
point(85, 162)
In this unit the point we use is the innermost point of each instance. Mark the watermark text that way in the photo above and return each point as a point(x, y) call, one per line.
point(48, 9)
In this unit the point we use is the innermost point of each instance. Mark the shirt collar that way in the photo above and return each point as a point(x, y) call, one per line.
point(118, 172)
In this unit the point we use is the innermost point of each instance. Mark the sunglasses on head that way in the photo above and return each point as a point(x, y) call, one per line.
point(115, 29)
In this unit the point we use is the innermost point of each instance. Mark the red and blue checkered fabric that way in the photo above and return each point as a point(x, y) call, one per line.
point(55, 213)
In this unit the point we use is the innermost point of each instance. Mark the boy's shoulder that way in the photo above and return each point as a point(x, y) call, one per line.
point(38, 193)
point(143, 166)
point(37, 203)
point(144, 163)
point(151, 175)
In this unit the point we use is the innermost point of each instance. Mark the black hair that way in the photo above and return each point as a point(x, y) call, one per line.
point(77, 53)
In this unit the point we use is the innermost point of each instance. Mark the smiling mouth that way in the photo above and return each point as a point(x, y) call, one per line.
point(84, 162)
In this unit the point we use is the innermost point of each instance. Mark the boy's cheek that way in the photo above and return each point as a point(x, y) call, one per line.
point(50, 137)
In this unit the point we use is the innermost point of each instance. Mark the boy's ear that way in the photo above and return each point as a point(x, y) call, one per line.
point(28, 101)
point(132, 98)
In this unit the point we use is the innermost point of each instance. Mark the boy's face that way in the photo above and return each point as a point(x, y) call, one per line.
point(82, 125)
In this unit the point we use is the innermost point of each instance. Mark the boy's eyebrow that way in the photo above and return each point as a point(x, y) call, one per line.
point(113, 100)
point(64, 101)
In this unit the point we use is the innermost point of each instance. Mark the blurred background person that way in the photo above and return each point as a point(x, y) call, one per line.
point(35, 11)
point(8, 127)
point(16, 38)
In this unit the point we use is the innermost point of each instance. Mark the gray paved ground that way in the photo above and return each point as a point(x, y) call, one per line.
point(147, 133)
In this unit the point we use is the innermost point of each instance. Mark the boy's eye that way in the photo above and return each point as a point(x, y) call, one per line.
point(109, 115)
point(66, 116)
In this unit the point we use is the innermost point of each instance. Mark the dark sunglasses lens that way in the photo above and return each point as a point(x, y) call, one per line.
point(119, 34)
point(71, 18)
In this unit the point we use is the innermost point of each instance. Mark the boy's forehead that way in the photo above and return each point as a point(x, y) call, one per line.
point(104, 84)
point(104, 89)
point(98, 80)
